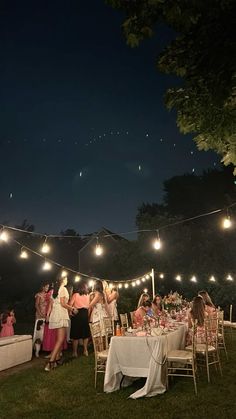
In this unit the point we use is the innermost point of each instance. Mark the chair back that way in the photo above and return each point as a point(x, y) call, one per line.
point(124, 320)
point(97, 338)
point(211, 331)
point(132, 317)
point(108, 326)
point(231, 313)
point(220, 315)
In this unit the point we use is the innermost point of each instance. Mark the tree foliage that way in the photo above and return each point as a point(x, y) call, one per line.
point(203, 56)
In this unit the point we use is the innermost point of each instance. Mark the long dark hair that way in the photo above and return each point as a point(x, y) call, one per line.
point(98, 286)
point(198, 310)
point(57, 286)
point(81, 288)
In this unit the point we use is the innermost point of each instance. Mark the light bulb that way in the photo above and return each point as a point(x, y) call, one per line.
point(178, 278)
point(98, 250)
point(227, 223)
point(143, 279)
point(120, 286)
point(91, 283)
point(64, 273)
point(193, 279)
point(147, 276)
point(126, 285)
point(157, 244)
point(4, 236)
point(145, 290)
point(212, 279)
point(133, 284)
point(77, 278)
point(161, 276)
point(47, 266)
point(45, 248)
point(24, 254)
point(229, 278)
point(138, 282)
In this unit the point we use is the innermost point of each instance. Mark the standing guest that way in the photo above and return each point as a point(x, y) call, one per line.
point(209, 306)
point(40, 315)
point(157, 305)
point(59, 320)
point(98, 307)
point(143, 297)
point(80, 320)
point(7, 321)
point(112, 296)
point(141, 312)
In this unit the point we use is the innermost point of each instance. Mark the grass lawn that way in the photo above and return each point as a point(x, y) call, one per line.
point(68, 392)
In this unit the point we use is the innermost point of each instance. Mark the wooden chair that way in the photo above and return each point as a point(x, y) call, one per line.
point(207, 353)
point(132, 318)
point(100, 349)
point(221, 332)
point(182, 363)
point(108, 326)
point(124, 320)
point(228, 324)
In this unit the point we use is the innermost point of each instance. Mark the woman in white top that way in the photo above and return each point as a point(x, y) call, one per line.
point(59, 319)
point(98, 307)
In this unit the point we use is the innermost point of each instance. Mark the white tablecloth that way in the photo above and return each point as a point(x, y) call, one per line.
point(142, 356)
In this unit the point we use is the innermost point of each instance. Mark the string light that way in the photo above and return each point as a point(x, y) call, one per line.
point(98, 249)
point(4, 236)
point(147, 276)
point(91, 283)
point(138, 282)
point(47, 266)
point(161, 276)
point(77, 278)
point(193, 279)
point(133, 284)
point(145, 290)
point(24, 254)
point(64, 273)
point(157, 243)
point(143, 279)
point(126, 285)
point(229, 278)
point(212, 279)
point(120, 286)
point(227, 223)
point(178, 278)
point(45, 247)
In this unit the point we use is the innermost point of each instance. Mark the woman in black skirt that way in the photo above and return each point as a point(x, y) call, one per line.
point(80, 322)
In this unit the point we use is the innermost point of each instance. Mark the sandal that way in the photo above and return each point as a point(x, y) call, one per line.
point(49, 366)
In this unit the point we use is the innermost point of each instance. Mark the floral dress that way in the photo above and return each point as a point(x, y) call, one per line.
point(59, 316)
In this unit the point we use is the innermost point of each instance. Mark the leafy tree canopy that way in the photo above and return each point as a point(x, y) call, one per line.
point(203, 56)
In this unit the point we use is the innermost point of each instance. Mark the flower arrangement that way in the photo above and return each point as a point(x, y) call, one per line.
point(172, 301)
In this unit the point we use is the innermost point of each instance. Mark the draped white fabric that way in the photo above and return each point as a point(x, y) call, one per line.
point(134, 356)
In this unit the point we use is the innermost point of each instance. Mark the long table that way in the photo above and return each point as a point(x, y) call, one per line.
point(132, 357)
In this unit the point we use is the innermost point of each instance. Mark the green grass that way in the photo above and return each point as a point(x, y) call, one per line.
point(68, 392)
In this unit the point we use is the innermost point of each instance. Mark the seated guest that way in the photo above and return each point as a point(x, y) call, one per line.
point(209, 306)
point(143, 297)
point(157, 305)
point(141, 312)
point(199, 314)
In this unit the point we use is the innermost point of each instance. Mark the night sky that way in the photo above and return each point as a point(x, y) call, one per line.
point(84, 136)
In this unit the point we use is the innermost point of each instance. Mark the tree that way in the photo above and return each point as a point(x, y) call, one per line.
point(203, 56)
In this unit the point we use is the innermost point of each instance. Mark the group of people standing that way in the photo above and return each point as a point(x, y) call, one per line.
point(60, 312)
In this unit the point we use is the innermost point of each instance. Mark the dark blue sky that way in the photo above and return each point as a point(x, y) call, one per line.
point(84, 135)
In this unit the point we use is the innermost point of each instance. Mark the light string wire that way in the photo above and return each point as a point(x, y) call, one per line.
point(94, 235)
point(77, 272)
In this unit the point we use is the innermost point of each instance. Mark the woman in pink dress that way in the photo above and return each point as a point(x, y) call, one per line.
point(197, 313)
point(141, 312)
point(7, 321)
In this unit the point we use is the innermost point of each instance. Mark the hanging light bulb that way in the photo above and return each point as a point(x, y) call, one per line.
point(161, 276)
point(138, 282)
point(47, 266)
point(45, 247)
point(64, 273)
point(147, 276)
point(157, 244)
point(77, 278)
point(24, 254)
point(126, 285)
point(145, 290)
point(178, 278)
point(212, 279)
point(120, 286)
point(193, 279)
point(143, 279)
point(4, 236)
point(133, 284)
point(229, 278)
point(227, 223)
point(98, 249)
point(91, 283)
